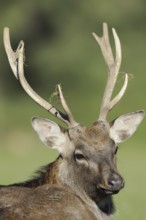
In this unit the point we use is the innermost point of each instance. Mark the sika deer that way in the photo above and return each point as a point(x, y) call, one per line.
point(80, 183)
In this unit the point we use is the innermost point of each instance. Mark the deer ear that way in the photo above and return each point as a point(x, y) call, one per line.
point(50, 133)
point(125, 126)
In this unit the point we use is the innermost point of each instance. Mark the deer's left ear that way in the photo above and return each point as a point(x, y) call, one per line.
point(124, 127)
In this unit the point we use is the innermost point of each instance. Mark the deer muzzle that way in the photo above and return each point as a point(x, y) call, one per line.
point(113, 185)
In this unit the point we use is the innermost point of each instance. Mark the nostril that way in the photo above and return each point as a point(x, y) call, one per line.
point(116, 183)
point(112, 182)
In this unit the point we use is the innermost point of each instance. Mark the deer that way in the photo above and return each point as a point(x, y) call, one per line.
point(81, 182)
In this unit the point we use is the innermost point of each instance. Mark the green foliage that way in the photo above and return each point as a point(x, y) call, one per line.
point(60, 49)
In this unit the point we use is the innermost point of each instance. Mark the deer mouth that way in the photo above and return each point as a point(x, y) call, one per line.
point(113, 186)
point(108, 191)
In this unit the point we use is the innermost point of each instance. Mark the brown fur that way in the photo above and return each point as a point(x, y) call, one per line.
point(41, 197)
point(48, 190)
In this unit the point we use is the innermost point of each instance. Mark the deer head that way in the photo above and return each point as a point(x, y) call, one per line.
point(87, 161)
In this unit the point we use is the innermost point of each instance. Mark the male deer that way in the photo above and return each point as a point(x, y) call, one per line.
point(80, 183)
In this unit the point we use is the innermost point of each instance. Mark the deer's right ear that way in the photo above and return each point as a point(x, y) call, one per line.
point(50, 134)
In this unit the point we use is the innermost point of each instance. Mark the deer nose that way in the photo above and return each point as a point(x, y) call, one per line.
point(116, 183)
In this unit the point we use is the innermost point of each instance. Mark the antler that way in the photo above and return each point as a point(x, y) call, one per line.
point(113, 65)
point(16, 60)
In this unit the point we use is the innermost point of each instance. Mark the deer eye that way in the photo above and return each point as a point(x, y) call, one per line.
point(79, 156)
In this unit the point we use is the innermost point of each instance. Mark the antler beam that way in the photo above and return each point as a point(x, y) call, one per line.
point(16, 60)
point(113, 64)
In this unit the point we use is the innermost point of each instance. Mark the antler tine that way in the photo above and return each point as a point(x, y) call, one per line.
point(12, 56)
point(113, 65)
point(16, 60)
point(65, 107)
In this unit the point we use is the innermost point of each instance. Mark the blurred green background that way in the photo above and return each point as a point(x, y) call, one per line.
point(60, 49)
